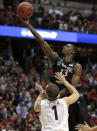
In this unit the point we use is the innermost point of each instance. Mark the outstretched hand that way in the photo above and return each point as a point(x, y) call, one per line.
point(39, 87)
point(83, 127)
point(60, 77)
point(23, 21)
point(41, 91)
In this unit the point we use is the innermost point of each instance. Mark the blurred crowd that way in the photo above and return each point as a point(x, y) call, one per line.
point(18, 91)
point(17, 96)
point(50, 15)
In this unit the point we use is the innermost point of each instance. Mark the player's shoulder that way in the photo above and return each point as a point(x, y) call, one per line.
point(44, 101)
point(65, 101)
point(62, 100)
point(78, 66)
point(59, 59)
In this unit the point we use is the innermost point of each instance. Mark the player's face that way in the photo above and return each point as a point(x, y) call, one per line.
point(67, 49)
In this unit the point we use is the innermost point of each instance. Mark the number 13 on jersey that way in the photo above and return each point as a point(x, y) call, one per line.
point(64, 72)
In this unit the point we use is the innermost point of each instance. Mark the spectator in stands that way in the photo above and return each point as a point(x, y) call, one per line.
point(93, 94)
point(94, 67)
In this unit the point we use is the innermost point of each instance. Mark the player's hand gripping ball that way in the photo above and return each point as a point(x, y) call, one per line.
point(25, 10)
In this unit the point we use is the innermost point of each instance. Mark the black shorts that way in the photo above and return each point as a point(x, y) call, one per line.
point(78, 113)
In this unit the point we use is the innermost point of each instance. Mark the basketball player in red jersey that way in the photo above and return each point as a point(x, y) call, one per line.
point(71, 70)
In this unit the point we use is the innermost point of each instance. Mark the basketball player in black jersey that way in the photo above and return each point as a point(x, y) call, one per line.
point(68, 67)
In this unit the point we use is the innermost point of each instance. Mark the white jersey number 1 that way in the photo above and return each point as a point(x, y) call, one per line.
point(55, 112)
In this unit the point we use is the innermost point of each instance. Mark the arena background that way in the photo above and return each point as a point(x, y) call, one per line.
point(22, 61)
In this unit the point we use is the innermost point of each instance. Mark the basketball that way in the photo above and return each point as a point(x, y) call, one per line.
point(25, 10)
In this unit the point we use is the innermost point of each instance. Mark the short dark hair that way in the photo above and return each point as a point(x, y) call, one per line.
point(52, 91)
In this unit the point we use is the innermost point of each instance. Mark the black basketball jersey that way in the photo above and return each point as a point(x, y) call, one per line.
point(67, 68)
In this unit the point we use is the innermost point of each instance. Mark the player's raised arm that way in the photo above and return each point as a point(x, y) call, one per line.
point(74, 93)
point(39, 87)
point(44, 45)
point(37, 104)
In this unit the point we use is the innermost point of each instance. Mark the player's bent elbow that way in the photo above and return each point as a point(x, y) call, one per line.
point(77, 95)
point(35, 108)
